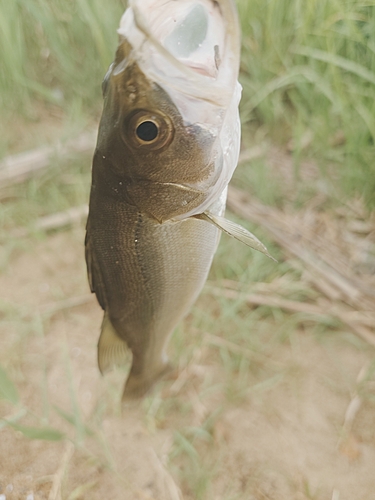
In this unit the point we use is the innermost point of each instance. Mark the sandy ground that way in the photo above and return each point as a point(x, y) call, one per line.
point(279, 434)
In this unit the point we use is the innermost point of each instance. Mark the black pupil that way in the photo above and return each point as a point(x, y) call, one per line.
point(147, 131)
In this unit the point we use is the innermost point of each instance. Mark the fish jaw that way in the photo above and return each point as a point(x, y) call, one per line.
point(192, 46)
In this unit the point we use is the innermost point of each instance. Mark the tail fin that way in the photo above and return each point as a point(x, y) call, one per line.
point(137, 386)
point(113, 351)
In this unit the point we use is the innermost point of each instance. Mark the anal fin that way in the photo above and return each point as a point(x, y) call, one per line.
point(112, 351)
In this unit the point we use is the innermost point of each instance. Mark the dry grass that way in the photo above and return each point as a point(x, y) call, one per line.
point(273, 396)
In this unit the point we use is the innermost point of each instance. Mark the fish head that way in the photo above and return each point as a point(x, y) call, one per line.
point(165, 107)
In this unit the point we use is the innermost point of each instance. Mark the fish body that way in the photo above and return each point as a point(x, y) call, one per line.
point(167, 146)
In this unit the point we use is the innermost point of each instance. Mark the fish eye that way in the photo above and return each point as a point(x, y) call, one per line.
point(147, 131)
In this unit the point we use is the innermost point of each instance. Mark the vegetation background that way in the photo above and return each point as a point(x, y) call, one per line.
point(308, 117)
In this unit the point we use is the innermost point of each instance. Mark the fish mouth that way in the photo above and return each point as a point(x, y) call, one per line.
point(190, 46)
point(191, 39)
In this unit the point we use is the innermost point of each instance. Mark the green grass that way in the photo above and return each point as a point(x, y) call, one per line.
point(55, 51)
point(305, 67)
point(310, 66)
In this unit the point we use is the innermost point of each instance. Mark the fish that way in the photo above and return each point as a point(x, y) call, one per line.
point(168, 143)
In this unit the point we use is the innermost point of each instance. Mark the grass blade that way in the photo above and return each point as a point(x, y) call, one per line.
point(336, 60)
point(43, 433)
point(8, 390)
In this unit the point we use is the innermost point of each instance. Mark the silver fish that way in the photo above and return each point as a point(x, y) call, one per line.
point(168, 144)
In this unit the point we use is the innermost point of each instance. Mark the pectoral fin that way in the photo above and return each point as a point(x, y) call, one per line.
point(236, 231)
point(112, 351)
